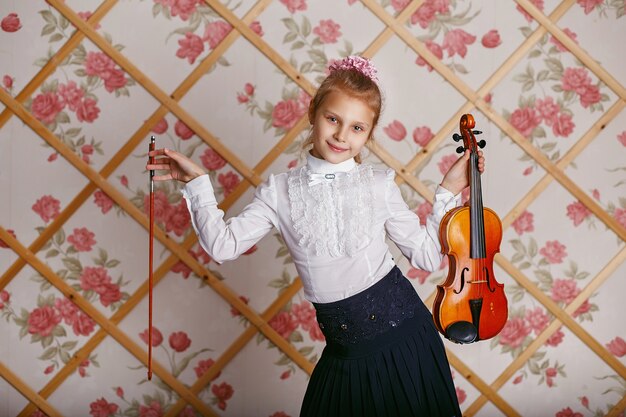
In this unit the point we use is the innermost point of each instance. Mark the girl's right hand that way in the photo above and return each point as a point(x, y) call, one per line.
point(178, 166)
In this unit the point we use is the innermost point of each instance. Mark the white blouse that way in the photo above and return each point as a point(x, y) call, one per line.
point(333, 218)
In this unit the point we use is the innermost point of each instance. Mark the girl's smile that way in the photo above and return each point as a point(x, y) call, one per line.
point(336, 148)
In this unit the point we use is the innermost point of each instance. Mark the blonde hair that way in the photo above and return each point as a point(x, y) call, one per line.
point(355, 84)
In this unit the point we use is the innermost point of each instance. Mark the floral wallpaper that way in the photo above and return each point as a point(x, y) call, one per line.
point(75, 324)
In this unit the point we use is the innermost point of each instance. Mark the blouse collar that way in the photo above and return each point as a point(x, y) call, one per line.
point(324, 167)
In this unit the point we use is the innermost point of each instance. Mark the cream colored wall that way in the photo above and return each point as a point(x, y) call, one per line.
point(543, 79)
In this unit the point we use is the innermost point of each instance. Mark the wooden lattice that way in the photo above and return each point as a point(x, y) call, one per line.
point(395, 26)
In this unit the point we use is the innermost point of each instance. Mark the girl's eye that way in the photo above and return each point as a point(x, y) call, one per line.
point(332, 119)
point(358, 128)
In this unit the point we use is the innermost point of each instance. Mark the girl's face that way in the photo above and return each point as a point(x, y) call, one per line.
point(341, 127)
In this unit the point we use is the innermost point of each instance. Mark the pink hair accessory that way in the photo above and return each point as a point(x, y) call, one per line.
point(355, 62)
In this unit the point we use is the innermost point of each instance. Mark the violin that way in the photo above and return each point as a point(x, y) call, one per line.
point(470, 305)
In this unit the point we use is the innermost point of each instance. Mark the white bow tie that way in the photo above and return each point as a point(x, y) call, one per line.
point(315, 178)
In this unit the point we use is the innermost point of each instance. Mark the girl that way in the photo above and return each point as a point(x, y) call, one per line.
point(383, 355)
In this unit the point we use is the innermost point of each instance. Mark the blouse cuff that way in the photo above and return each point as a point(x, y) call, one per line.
point(445, 198)
point(199, 191)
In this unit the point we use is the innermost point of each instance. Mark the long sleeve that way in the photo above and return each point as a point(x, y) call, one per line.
point(226, 240)
point(420, 244)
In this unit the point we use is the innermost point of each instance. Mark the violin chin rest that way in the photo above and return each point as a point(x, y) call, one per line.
point(462, 332)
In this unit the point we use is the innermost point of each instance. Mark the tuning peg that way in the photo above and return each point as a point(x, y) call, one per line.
point(456, 137)
point(460, 149)
point(477, 132)
point(481, 144)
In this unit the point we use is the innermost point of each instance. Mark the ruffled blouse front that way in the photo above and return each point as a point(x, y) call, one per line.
point(334, 219)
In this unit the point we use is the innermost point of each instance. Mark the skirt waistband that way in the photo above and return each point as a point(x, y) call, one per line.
point(355, 322)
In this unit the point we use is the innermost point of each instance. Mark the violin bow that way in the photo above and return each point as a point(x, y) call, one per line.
point(151, 251)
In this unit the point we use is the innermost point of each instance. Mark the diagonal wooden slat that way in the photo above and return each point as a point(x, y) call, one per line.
point(201, 71)
point(537, 156)
point(497, 119)
point(482, 386)
point(402, 171)
point(618, 408)
point(286, 295)
point(152, 88)
point(26, 391)
point(56, 59)
point(84, 352)
point(541, 339)
point(562, 164)
point(574, 48)
point(261, 45)
point(559, 313)
point(561, 177)
point(369, 52)
point(520, 52)
point(542, 184)
point(103, 322)
point(139, 135)
point(556, 173)
point(219, 286)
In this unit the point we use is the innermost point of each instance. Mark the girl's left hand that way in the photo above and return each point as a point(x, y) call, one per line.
point(456, 179)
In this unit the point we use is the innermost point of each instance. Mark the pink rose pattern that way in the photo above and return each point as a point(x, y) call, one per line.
point(191, 46)
point(283, 115)
point(491, 39)
point(82, 239)
point(524, 223)
point(196, 39)
point(435, 49)
point(558, 277)
point(286, 113)
point(551, 90)
point(102, 408)
point(294, 5)
point(537, 3)
point(422, 135)
point(617, 347)
point(395, 130)
point(56, 317)
point(441, 22)
point(328, 31)
point(172, 217)
point(78, 94)
point(47, 207)
point(45, 325)
point(398, 132)
point(294, 320)
point(69, 97)
point(179, 342)
point(11, 23)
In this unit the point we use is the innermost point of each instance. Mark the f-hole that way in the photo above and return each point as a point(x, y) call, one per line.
point(488, 280)
point(462, 281)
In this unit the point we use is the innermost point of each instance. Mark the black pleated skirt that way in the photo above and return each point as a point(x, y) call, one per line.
point(383, 357)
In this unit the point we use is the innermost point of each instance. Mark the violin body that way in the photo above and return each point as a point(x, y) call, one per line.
point(470, 305)
point(452, 303)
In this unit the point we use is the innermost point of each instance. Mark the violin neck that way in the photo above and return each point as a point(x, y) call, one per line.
point(477, 218)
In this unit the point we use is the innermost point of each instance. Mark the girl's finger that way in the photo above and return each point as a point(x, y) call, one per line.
point(152, 167)
point(165, 177)
point(157, 152)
